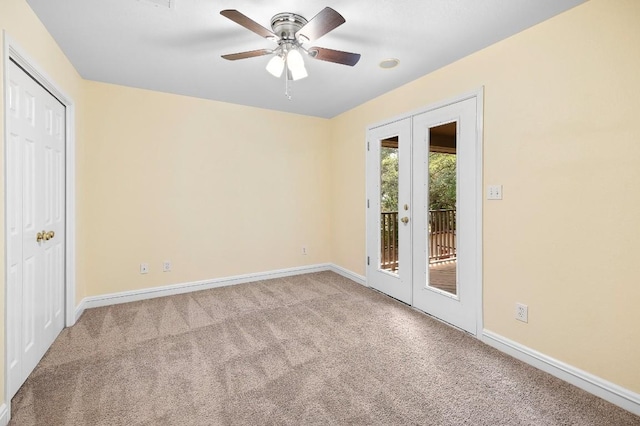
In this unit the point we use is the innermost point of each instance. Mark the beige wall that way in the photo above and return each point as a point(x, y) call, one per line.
point(217, 189)
point(561, 133)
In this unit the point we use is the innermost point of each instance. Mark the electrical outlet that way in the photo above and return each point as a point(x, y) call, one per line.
point(166, 266)
point(304, 250)
point(522, 312)
point(144, 268)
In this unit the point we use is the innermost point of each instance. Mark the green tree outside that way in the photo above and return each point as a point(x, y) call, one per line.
point(442, 180)
point(389, 179)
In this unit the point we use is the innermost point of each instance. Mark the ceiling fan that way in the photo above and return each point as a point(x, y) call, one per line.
point(291, 31)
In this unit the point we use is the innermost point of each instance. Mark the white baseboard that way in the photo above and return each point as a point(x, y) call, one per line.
point(606, 390)
point(149, 293)
point(348, 274)
point(79, 310)
point(169, 290)
point(4, 415)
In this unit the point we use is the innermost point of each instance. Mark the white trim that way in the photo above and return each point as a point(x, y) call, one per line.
point(79, 310)
point(479, 207)
point(604, 389)
point(430, 107)
point(367, 165)
point(70, 225)
point(4, 415)
point(170, 290)
point(360, 279)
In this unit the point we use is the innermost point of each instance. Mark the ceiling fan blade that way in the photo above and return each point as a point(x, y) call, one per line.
point(325, 21)
point(249, 54)
point(337, 56)
point(248, 23)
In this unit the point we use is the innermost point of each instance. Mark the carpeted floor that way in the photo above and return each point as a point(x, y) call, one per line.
point(314, 349)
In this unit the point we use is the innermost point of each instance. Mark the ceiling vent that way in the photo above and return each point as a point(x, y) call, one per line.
point(168, 4)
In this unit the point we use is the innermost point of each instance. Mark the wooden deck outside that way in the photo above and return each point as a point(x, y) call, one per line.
point(443, 276)
point(442, 247)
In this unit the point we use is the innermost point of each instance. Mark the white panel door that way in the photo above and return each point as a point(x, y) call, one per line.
point(36, 223)
point(388, 218)
point(455, 302)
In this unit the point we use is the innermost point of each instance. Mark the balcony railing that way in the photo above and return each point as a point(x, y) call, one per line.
point(389, 241)
point(442, 235)
point(442, 238)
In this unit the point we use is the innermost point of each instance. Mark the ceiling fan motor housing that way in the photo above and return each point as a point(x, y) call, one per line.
point(286, 25)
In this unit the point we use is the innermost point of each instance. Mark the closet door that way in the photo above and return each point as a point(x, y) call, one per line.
point(35, 223)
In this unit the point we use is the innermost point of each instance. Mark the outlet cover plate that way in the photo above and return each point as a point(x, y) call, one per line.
point(522, 312)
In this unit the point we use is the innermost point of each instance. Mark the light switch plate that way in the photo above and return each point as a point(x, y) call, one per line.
point(494, 192)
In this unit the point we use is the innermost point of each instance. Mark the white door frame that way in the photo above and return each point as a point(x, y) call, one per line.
point(12, 51)
point(479, 95)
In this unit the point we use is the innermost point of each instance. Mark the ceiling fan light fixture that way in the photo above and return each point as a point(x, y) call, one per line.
point(291, 31)
point(295, 63)
point(275, 66)
point(299, 74)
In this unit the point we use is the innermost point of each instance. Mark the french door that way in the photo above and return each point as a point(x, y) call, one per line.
point(35, 223)
point(445, 279)
point(389, 195)
point(423, 212)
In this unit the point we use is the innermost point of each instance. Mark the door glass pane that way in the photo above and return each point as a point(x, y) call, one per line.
point(389, 205)
point(442, 208)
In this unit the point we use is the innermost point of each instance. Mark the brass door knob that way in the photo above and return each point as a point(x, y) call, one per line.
point(405, 220)
point(45, 236)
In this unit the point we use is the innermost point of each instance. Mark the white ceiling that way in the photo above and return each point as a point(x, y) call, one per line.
point(134, 43)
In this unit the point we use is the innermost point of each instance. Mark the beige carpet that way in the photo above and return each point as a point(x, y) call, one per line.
point(305, 350)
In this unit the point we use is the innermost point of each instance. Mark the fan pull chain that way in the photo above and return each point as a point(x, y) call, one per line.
point(286, 86)
point(286, 79)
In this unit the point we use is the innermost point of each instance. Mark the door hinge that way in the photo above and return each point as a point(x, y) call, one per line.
point(368, 203)
point(367, 260)
point(367, 145)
